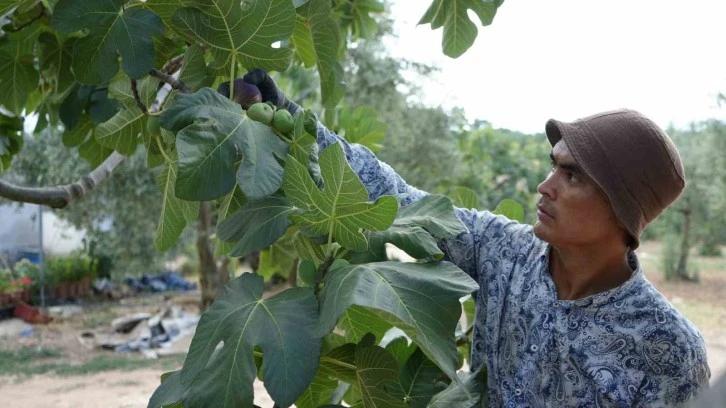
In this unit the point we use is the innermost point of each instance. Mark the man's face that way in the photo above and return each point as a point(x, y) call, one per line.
point(573, 211)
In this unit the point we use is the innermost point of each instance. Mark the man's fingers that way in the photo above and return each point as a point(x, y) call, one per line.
point(255, 77)
point(264, 83)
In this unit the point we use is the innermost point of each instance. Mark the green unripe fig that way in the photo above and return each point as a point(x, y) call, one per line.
point(153, 126)
point(244, 94)
point(282, 121)
point(261, 112)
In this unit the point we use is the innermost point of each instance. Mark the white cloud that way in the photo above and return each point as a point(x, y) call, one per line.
point(571, 58)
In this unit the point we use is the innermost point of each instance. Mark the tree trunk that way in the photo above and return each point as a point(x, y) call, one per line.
point(212, 278)
point(685, 247)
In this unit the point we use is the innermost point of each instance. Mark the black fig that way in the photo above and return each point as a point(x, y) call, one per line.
point(244, 94)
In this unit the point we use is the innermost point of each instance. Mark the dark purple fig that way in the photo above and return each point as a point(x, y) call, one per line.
point(244, 94)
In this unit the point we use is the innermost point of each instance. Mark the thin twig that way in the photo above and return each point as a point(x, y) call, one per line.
point(173, 65)
point(61, 196)
point(139, 102)
point(174, 83)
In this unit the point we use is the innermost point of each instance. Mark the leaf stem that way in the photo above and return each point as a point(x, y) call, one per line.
point(137, 98)
point(161, 149)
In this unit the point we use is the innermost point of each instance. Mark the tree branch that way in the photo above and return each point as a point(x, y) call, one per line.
point(174, 83)
point(61, 196)
point(139, 102)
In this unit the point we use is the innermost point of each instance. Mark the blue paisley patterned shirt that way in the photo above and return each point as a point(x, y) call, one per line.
point(621, 348)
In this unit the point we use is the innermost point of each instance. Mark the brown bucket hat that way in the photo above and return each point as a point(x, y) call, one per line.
point(632, 160)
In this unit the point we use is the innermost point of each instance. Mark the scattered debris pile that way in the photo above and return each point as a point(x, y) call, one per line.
point(146, 333)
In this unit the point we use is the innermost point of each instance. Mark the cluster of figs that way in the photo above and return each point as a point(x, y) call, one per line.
point(250, 98)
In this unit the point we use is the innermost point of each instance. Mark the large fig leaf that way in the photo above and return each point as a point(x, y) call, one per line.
point(421, 379)
point(372, 370)
point(257, 225)
point(175, 213)
point(417, 227)
point(465, 393)
point(321, 30)
point(282, 326)
point(421, 299)
point(113, 30)
point(459, 31)
point(17, 70)
point(341, 209)
point(236, 35)
point(211, 132)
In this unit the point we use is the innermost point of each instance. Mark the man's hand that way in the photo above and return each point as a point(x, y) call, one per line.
point(269, 90)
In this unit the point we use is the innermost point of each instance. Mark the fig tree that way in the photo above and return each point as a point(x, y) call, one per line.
point(261, 112)
point(244, 94)
point(282, 121)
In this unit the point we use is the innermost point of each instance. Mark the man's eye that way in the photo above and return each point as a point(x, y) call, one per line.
point(571, 176)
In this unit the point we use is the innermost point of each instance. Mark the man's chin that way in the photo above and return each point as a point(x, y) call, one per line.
point(540, 231)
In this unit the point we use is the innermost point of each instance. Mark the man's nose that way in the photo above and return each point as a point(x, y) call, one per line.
point(547, 188)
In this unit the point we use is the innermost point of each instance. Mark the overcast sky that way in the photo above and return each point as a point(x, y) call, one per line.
point(566, 59)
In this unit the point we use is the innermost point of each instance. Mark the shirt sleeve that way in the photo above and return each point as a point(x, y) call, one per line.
point(678, 385)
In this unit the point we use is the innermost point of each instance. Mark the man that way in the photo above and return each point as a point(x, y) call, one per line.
point(565, 317)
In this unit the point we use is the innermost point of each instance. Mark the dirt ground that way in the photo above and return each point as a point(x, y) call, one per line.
point(703, 303)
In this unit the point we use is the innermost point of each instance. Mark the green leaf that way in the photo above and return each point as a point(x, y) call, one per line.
point(212, 131)
point(94, 153)
point(234, 35)
point(175, 213)
point(195, 73)
point(55, 60)
point(465, 393)
point(282, 326)
point(279, 258)
point(318, 393)
point(357, 321)
point(362, 126)
point(120, 89)
point(113, 31)
point(18, 74)
point(465, 197)
point(121, 132)
point(228, 205)
point(260, 172)
point(302, 40)
point(100, 108)
point(358, 15)
point(417, 227)
point(257, 225)
point(371, 369)
point(326, 39)
point(377, 373)
point(423, 299)
point(11, 139)
point(7, 5)
point(306, 273)
point(510, 209)
point(459, 31)
point(421, 379)
point(341, 209)
point(401, 350)
point(169, 392)
point(166, 8)
point(76, 136)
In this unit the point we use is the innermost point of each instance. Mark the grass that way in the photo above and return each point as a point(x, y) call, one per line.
point(31, 361)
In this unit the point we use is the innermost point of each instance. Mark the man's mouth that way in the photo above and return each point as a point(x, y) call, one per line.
point(542, 212)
